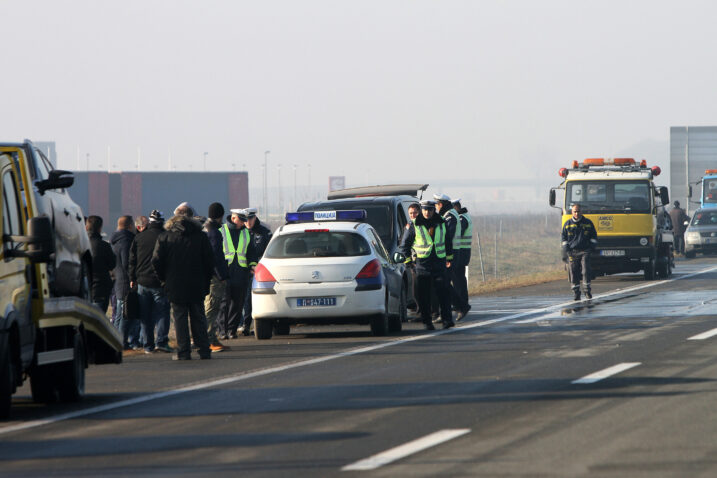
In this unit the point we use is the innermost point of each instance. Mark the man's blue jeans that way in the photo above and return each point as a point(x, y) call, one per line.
point(126, 327)
point(153, 310)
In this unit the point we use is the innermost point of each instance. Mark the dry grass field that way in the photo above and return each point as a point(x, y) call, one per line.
point(516, 250)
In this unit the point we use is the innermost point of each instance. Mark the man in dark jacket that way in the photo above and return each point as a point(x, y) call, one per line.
point(121, 241)
point(579, 240)
point(153, 303)
point(260, 236)
point(214, 301)
point(678, 217)
point(103, 261)
point(240, 254)
point(184, 263)
point(427, 235)
point(461, 259)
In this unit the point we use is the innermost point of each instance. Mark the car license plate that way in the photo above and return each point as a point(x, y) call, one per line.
point(316, 301)
point(612, 252)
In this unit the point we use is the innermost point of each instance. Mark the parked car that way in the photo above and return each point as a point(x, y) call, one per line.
point(701, 233)
point(327, 267)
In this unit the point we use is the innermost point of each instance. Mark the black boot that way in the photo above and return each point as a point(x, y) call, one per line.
point(588, 293)
point(577, 294)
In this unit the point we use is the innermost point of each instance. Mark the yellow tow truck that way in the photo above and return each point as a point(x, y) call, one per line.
point(46, 333)
point(620, 197)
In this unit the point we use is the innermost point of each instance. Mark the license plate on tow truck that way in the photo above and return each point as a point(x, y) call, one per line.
point(316, 301)
point(612, 252)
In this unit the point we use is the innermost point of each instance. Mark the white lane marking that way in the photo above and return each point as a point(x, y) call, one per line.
point(281, 368)
point(407, 449)
point(608, 372)
point(704, 335)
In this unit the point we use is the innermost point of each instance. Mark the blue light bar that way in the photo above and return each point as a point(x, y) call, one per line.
point(317, 216)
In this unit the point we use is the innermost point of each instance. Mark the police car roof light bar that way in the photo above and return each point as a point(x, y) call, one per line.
point(317, 216)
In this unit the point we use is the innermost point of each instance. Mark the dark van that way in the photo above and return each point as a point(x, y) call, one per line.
point(387, 212)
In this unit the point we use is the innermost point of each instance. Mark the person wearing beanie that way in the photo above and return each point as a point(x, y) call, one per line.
point(153, 304)
point(218, 286)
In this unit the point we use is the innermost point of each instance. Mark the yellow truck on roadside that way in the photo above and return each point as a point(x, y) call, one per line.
point(49, 329)
point(620, 197)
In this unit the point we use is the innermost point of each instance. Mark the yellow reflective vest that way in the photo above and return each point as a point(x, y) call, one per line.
point(239, 252)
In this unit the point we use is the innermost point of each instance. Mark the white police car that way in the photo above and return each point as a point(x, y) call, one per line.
point(327, 267)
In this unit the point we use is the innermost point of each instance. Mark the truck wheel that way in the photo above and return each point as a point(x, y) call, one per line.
point(71, 375)
point(42, 384)
point(263, 329)
point(7, 377)
point(650, 270)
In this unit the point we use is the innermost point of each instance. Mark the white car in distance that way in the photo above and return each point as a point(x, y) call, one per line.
point(326, 267)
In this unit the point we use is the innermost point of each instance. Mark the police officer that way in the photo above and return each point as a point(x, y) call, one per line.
point(428, 236)
point(260, 237)
point(461, 259)
point(240, 254)
point(453, 231)
point(579, 239)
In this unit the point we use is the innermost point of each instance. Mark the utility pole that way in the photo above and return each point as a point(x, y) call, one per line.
point(205, 160)
point(281, 204)
point(266, 195)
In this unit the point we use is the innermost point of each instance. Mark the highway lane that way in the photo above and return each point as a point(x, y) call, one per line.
point(301, 404)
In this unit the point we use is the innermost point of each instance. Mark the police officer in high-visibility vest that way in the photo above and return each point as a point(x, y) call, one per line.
point(240, 253)
point(461, 259)
point(427, 235)
point(453, 232)
point(260, 236)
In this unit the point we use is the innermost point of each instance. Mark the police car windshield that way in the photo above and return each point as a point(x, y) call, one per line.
point(317, 243)
point(609, 196)
point(705, 218)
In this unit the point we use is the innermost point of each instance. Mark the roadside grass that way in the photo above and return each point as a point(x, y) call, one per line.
point(516, 250)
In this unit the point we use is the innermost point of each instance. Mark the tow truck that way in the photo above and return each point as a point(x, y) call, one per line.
point(46, 334)
point(620, 197)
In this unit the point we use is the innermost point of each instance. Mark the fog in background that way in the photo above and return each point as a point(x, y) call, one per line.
point(481, 99)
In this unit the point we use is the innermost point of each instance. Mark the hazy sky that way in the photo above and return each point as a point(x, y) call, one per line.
point(381, 91)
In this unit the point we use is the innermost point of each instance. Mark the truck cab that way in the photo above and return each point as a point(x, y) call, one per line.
point(628, 210)
point(709, 189)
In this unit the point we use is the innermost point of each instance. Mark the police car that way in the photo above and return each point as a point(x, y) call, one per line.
point(327, 267)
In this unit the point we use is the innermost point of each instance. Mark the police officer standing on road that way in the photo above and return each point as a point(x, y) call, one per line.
point(428, 236)
point(260, 237)
point(240, 254)
point(461, 259)
point(579, 239)
point(453, 233)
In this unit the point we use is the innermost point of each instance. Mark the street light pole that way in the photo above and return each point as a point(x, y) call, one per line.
point(278, 169)
point(266, 196)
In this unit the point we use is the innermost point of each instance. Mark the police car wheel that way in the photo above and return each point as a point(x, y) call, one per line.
point(263, 329)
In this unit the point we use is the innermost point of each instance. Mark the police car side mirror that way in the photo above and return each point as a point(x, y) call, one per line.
point(398, 257)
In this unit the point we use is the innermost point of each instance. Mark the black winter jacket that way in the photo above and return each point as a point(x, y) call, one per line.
point(183, 260)
point(216, 240)
point(103, 261)
point(432, 263)
point(140, 256)
point(579, 235)
point(260, 236)
point(121, 241)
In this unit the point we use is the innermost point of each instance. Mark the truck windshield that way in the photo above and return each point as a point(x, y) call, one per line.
point(609, 196)
point(709, 191)
point(379, 216)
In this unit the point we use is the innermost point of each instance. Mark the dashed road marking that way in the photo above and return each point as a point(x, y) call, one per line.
point(704, 335)
point(407, 449)
point(605, 373)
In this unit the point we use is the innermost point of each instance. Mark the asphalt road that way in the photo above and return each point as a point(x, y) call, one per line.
point(529, 384)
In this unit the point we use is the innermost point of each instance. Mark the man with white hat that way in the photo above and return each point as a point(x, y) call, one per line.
point(241, 257)
point(260, 236)
point(427, 235)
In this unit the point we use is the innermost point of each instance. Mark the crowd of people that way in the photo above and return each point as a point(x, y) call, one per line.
point(195, 271)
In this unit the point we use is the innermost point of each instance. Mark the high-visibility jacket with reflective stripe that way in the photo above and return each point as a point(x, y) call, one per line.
point(457, 235)
point(466, 238)
point(230, 252)
point(424, 243)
